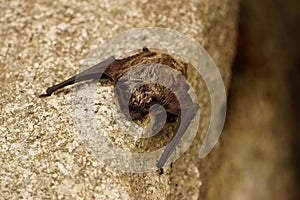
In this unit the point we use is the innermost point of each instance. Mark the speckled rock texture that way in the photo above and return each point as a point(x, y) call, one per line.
point(42, 43)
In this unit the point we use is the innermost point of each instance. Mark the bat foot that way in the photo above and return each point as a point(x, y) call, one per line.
point(161, 171)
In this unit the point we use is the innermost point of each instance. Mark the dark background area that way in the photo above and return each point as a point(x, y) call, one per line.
point(264, 111)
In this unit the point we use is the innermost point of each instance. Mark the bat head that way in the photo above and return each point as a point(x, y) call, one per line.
point(133, 105)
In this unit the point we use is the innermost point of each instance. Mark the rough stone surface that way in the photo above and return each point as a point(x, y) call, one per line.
point(42, 43)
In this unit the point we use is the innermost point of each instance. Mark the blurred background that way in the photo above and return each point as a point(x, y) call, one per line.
point(261, 142)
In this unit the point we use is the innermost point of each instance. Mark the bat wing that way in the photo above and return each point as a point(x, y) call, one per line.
point(185, 118)
point(94, 72)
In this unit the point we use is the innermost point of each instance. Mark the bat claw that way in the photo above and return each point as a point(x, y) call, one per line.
point(161, 171)
point(145, 48)
point(44, 95)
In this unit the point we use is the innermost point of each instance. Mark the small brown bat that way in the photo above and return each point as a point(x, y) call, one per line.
point(146, 95)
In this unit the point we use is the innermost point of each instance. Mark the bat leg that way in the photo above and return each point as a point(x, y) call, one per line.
point(94, 72)
point(184, 121)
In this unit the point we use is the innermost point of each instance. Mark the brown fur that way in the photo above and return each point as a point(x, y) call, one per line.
point(146, 95)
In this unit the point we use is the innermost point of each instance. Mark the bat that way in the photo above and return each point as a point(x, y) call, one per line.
point(146, 95)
